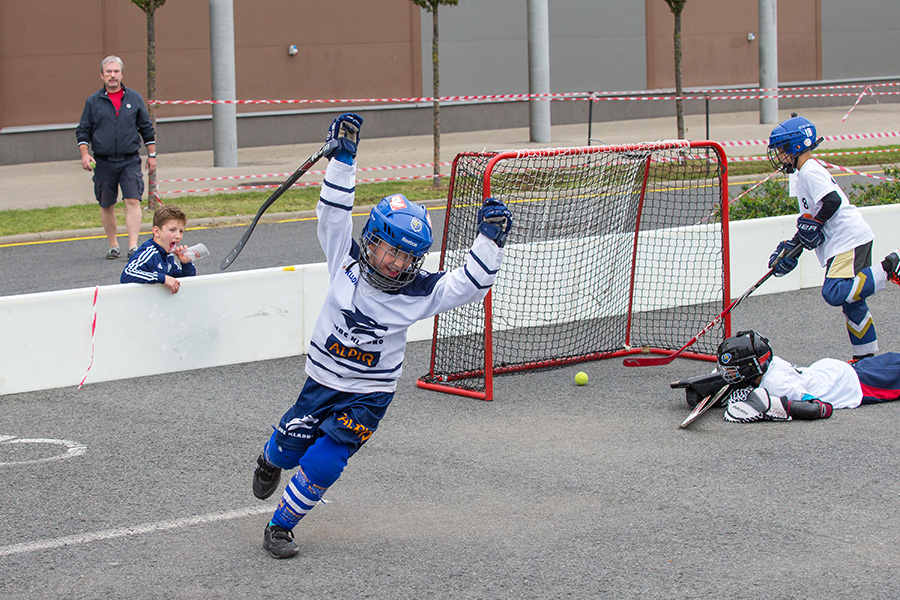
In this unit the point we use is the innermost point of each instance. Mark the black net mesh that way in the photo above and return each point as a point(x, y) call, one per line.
point(609, 250)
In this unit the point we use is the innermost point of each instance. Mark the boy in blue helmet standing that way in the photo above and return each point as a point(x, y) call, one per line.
point(835, 229)
point(357, 347)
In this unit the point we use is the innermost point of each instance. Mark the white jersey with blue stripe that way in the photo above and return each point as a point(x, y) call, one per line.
point(359, 339)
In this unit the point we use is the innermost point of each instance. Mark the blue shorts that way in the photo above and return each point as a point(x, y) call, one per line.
point(347, 418)
point(110, 175)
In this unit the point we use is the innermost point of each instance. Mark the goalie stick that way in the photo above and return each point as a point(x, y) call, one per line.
point(704, 405)
point(269, 202)
point(664, 360)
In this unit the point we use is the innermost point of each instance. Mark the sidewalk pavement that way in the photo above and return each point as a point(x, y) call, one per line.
point(40, 185)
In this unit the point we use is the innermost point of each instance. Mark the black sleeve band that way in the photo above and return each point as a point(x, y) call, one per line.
point(830, 204)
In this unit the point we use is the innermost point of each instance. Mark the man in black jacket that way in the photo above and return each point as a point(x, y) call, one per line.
point(113, 123)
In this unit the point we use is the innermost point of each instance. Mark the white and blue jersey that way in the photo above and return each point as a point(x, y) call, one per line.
point(150, 264)
point(846, 229)
point(359, 340)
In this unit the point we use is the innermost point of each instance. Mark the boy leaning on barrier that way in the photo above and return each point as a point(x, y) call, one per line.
point(155, 260)
point(377, 291)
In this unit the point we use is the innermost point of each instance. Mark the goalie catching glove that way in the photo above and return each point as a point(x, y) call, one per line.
point(494, 221)
point(747, 405)
point(699, 387)
point(342, 138)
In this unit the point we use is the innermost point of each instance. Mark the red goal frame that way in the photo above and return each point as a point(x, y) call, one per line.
point(714, 152)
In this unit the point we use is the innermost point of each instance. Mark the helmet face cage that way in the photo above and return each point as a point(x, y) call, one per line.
point(377, 257)
point(394, 242)
point(743, 357)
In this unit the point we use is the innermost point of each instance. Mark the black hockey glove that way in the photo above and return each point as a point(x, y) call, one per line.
point(699, 387)
point(343, 137)
point(779, 260)
point(809, 232)
point(494, 221)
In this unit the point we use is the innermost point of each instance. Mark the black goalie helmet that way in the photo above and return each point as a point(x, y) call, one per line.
point(743, 357)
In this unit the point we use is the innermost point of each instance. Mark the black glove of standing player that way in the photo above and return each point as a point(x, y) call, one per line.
point(494, 221)
point(343, 137)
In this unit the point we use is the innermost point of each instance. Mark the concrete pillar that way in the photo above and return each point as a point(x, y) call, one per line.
point(768, 59)
point(221, 46)
point(539, 68)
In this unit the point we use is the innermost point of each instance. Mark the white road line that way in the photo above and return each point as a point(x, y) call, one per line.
point(95, 536)
point(74, 449)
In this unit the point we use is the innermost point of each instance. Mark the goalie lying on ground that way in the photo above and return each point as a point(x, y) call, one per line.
point(768, 388)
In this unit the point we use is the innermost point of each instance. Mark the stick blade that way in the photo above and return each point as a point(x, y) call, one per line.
point(649, 361)
point(703, 406)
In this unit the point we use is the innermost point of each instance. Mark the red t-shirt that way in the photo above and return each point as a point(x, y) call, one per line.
point(116, 98)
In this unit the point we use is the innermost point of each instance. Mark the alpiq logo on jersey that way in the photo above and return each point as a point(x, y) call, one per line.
point(361, 357)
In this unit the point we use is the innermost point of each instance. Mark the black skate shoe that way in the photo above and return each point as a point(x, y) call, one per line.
point(280, 542)
point(891, 266)
point(266, 478)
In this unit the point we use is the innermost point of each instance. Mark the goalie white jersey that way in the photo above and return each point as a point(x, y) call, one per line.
point(830, 380)
point(359, 339)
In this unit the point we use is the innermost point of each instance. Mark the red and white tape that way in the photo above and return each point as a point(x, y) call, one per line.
point(743, 94)
point(93, 336)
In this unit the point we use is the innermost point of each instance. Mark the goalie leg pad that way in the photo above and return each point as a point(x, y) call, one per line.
point(757, 406)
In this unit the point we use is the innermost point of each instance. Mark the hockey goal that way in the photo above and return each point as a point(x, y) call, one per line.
point(615, 250)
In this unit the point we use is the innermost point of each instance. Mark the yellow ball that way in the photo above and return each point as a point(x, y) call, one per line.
point(581, 378)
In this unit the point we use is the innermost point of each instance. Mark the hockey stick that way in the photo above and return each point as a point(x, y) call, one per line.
point(269, 202)
point(664, 360)
point(703, 406)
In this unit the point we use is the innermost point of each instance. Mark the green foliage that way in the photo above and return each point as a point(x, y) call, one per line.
point(768, 200)
point(430, 5)
point(148, 6)
point(676, 6)
point(884, 192)
point(771, 198)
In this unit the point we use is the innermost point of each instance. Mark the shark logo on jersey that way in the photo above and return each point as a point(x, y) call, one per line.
point(306, 422)
point(360, 324)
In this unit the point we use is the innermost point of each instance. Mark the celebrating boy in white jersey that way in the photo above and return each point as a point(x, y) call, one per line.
point(835, 229)
point(356, 352)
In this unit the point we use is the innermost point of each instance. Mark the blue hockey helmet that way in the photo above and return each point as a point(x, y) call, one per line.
point(743, 357)
point(788, 140)
point(394, 242)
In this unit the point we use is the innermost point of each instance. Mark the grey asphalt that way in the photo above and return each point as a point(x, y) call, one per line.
point(550, 491)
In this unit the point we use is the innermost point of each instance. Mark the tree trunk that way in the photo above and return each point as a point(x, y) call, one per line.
point(152, 193)
point(679, 106)
point(437, 105)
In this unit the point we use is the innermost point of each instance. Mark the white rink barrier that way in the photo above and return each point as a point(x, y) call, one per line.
point(245, 316)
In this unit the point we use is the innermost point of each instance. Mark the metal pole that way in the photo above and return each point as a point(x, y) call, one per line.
point(590, 115)
point(768, 60)
point(539, 68)
point(221, 48)
point(707, 118)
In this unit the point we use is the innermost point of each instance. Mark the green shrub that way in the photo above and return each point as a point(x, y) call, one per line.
point(771, 198)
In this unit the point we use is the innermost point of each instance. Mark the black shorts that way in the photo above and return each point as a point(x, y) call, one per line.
point(110, 175)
